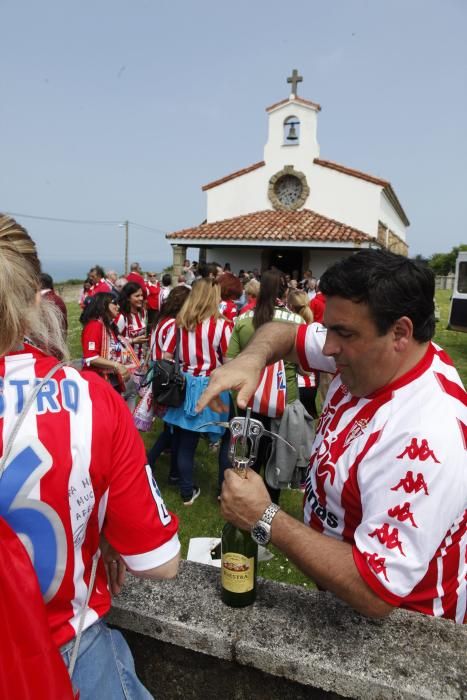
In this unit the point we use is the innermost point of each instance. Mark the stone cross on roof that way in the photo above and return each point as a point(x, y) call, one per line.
point(294, 79)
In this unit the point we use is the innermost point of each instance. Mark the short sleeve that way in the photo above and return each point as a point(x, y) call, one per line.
point(169, 342)
point(91, 340)
point(309, 343)
point(137, 523)
point(234, 348)
point(411, 495)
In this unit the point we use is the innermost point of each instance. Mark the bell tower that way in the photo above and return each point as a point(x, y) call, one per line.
point(292, 133)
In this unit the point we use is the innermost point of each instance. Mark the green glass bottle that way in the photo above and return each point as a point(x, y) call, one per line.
point(239, 565)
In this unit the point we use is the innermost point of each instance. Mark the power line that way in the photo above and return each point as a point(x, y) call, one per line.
point(148, 228)
point(66, 221)
point(85, 221)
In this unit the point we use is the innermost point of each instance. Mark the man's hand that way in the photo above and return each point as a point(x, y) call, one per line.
point(241, 374)
point(114, 566)
point(243, 501)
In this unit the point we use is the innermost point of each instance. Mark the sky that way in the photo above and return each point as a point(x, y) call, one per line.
point(115, 110)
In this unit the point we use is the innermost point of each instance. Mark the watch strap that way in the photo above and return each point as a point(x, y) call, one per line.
point(269, 513)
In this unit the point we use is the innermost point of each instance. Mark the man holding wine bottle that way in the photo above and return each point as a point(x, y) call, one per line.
point(385, 501)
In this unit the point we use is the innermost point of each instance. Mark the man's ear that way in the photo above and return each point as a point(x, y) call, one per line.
point(403, 333)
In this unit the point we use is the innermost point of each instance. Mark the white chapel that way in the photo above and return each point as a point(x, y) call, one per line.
point(293, 209)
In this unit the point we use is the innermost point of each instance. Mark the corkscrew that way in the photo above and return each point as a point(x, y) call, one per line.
point(245, 434)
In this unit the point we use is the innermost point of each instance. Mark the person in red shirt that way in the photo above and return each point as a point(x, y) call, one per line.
point(317, 305)
point(136, 276)
point(153, 291)
point(48, 292)
point(231, 289)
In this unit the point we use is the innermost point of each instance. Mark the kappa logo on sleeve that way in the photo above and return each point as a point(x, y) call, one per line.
point(390, 539)
point(411, 485)
point(376, 564)
point(416, 451)
point(402, 513)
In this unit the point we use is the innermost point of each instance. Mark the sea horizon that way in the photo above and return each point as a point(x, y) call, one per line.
point(64, 270)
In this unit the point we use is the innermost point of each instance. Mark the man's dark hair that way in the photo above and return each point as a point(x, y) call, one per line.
point(166, 279)
point(46, 281)
point(391, 285)
point(98, 270)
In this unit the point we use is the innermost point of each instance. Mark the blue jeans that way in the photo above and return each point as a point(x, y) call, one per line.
point(105, 669)
point(164, 441)
point(185, 446)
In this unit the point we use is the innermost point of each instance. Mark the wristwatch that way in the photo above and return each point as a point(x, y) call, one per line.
point(261, 531)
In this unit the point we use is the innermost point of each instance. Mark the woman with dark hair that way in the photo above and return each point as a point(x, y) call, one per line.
point(231, 289)
point(104, 350)
point(281, 386)
point(133, 319)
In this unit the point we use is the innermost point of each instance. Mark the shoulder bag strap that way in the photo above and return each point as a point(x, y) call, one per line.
point(177, 350)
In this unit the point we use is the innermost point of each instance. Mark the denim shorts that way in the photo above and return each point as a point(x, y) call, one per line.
point(105, 669)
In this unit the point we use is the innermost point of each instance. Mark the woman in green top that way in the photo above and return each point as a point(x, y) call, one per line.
point(269, 307)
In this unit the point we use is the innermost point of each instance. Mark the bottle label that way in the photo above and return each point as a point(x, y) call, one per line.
point(238, 572)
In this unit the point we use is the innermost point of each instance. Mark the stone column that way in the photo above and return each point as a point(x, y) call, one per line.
point(178, 257)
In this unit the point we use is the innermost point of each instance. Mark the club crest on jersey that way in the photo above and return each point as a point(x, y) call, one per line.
point(91, 345)
point(356, 430)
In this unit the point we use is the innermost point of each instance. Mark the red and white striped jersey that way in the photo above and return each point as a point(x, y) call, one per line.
point(159, 337)
point(387, 474)
point(136, 326)
point(203, 349)
point(270, 396)
point(77, 468)
point(228, 309)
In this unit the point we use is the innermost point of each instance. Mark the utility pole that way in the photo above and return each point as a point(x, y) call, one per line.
point(126, 246)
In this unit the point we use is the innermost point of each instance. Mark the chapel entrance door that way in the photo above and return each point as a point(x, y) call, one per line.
point(288, 260)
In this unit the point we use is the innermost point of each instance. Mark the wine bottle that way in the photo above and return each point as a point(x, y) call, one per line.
point(239, 564)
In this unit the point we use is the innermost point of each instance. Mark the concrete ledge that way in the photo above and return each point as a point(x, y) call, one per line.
point(307, 637)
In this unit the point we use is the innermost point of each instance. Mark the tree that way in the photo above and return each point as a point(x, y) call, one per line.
point(443, 263)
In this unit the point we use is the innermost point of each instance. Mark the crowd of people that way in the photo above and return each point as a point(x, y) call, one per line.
point(385, 490)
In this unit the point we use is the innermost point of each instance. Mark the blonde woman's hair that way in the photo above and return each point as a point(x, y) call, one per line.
point(252, 288)
point(298, 302)
point(21, 312)
point(202, 303)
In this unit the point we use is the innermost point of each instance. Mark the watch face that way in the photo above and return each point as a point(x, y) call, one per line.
point(288, 189)
point(261, 533)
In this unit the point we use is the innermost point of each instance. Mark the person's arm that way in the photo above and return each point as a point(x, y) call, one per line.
point(164, 571)
point(102, 363)
point(327, 561)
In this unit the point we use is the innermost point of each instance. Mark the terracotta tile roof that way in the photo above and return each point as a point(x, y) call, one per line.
point(270, 225)
point(237, 173)
point(300, 100)
point(369, 178)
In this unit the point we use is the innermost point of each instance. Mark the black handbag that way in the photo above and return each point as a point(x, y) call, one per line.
point(168, 382)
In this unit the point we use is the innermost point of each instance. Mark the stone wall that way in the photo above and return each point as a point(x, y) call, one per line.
point(292, 643)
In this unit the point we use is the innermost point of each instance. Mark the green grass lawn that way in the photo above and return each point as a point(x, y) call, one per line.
point(203, 518)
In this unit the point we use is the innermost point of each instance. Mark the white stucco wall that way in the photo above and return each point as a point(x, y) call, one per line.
point(345, 198)
point(390, 218)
